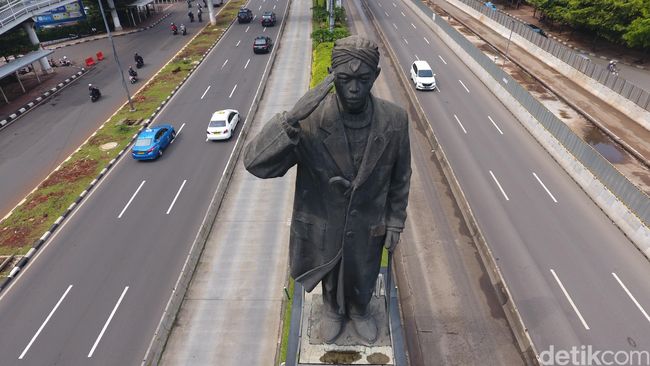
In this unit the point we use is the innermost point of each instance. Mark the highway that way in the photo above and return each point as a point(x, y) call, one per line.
point(32, 146)
point(95, 293)
point(575, 277)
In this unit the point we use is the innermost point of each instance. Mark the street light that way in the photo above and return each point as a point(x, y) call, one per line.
point(512, 25)
point(117, 60)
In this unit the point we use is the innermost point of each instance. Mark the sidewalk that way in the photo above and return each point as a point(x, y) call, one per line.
point(631, 134)
point(34, 89)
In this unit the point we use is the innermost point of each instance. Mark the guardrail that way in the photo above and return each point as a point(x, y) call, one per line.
point(619, 85)
point(12, 11)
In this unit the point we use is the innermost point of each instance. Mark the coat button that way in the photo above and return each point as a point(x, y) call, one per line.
point(354, 213)
point(349, 234)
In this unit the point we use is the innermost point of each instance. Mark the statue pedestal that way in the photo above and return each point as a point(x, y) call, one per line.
point(306, 348)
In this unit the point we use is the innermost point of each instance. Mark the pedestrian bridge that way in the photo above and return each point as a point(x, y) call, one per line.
point(14, 12)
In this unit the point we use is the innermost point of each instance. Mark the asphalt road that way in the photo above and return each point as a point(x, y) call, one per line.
point(34, 145)
point(576, 279)
point(95, 293)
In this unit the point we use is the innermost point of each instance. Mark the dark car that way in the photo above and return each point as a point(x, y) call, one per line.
point(245, 15)
point(538, 30)
point(268, 19)
point(262, 44)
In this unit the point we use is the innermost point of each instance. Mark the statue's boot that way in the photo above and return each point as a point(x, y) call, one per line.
point(331, 326)
point(365, 326)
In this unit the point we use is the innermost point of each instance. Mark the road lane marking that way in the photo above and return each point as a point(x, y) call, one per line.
point(499, 185)
point(402, 13)
point(131, 200)
point(442, 59)
point(631, 297)
point(176, 197)
point(426, 40)
point(394, 5)
point(245, 66)
point(264, 30)
point(381, 6)
point(247, 28)
point(461, 125)
point(237, 45)
point(386, 13)
point(44, 323)
point(417, 58)
point(495, 125)
point(575, 308)
point(110, 317)
point(395, 26)
point(273, 7)
point(233, 90)
point(254, 16)
point(205, 92)
point(461, 83)
point(547, 191)
point(178, 133)
point(413, 25)
point(407, 42)
point(224, 64)
point(260, 7)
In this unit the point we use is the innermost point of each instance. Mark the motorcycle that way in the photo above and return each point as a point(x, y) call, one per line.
point(133, 79)
point(183, 30)
point(174, 30)
point(139, 63)
point(64, 61)
point(95, 94)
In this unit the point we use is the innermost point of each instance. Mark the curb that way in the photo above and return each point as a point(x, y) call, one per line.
point(52, 46)
point(29, 106)
point(39, 243)
point(497, 281)
point(163, 330)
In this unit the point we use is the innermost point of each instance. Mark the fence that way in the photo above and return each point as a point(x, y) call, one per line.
point(636, 200)
point(626, 89)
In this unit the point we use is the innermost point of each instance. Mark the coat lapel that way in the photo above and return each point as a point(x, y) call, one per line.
point(377, 141)
point(335, 142)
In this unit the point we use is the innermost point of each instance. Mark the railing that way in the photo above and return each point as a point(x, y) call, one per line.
point(635, 199)
point(16, 10)
point(619, 85)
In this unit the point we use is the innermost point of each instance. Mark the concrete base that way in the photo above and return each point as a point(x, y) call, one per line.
point(306, 348)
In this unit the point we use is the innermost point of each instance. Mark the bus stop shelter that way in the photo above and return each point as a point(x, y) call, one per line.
point(140, 6)
point(14, 66)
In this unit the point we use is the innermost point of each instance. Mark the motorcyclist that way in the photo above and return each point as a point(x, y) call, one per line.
point(174, 29)
point(191, 15)
point(199, 14)
point(132, 72)
point(138, 59)
point(183, 29)
point(93, 91)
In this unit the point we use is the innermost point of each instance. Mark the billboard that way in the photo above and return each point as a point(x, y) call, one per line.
point(63, 14)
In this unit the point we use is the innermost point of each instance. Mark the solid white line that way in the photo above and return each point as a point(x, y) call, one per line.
point(205, 92)
point(233, 90)
point(237, 45)
point(461, 83)
point(461, 125)
point(570, 300)
point(442, 59)
point(224, 64)
point(402, 13)
point(44, 323)
point(631, 297)
point(178, 133)
point(547, 191)
point(495, 125)
point(132, 197)
point(394, 26)
point(426, 40)
point(175, 197)
point(247, 28)
point(413, 25)
point(101, 334)
point(245, 66)
point(499, 185)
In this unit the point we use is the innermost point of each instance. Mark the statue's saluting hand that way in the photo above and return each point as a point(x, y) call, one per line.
point(310, 101)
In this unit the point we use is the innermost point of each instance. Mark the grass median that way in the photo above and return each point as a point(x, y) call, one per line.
point(36, 214)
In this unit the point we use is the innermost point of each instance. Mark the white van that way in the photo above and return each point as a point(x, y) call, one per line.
point(422, 76)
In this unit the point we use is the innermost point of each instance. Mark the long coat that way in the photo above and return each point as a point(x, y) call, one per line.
point(329, 221)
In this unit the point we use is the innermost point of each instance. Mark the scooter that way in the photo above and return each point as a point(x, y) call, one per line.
point(139, 63)
point(183, 30)
point(133, 79)
point(94, 95)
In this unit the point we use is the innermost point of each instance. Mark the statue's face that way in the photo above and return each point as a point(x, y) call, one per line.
point(353, 81)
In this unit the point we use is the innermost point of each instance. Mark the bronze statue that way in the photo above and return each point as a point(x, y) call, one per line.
point(354, 166)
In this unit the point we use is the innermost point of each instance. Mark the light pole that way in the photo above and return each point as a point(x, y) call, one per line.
point(117, 60)
point(512, 25)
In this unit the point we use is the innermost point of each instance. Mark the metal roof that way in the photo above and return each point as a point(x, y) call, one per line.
point(140, 3)
point(19, 63)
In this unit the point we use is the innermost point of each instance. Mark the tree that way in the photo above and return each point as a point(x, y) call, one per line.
point(638, 35)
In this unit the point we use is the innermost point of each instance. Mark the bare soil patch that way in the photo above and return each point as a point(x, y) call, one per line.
point(71, 172)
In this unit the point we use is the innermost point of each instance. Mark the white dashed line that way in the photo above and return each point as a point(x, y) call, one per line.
point(381, 6)
point(442, 59)
point(413, 25)
point(176, 197)
point(245, 66)
point(573, 305)
point(401, 12)
point(495, 125)
point(499, 185)
point(426, 40)
point(386, 13)
point(417, 58)
point(546, 189)
point(394, 26)
point(233, 90)
point(178, 133)
point(205, 92)
point(264, 30)
point(460, 124)
point(44, 323)
point(461, 83)
point(247, 28)
point(260, 7)
point(237, 45)
point(131, 200)
point(110, 317)
point(632, 297)
point(273, 7)
point(407, 42)
point(394, 5)
point(224, 64)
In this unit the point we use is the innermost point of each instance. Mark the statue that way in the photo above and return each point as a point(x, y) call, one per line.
point(353, 160)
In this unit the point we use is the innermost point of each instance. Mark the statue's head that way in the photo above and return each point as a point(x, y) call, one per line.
point(355, 65)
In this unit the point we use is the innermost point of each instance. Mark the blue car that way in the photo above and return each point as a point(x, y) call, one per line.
point(152, 141)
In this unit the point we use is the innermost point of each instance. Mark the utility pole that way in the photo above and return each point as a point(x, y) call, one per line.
point(512, 25)
point(117, 60)
point(331, 11)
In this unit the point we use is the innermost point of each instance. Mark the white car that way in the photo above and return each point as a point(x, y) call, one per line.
point(222, 124)
point(422, 76)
